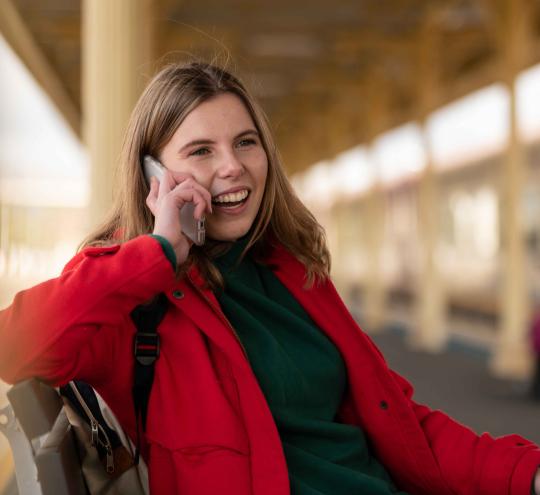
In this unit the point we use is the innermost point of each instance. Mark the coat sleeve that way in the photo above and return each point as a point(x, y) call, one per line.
point(475, 464)
point(62, 328)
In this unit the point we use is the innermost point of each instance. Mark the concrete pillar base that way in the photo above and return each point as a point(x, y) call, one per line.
point(428, 342)
point(513, 360)
point(373, 309)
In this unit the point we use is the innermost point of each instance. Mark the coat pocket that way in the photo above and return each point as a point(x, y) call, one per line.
point(199, 469)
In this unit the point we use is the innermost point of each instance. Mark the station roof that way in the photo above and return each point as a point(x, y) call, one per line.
point(329, 74)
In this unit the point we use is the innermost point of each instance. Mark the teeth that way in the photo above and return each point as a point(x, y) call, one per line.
point(231, 197)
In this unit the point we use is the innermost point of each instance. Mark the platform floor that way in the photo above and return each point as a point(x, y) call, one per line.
point(458, 382)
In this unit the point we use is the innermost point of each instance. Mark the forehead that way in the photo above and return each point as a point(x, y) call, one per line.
point(222, 115)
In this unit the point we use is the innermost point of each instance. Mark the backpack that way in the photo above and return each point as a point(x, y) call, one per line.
point(109, 462)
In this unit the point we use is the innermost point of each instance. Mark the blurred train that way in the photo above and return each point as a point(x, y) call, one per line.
point(468, 253)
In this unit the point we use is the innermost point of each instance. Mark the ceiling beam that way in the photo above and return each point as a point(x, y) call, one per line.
point(20, 38)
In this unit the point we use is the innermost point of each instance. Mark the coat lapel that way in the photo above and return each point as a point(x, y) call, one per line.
point(200, 305)
point(370, 382)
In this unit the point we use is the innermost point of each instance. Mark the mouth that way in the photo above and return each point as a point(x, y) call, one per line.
point(231, 200)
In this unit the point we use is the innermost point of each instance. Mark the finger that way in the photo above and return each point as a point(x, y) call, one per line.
point(154, 186)
point(166, 184)
point(152, 195)
point(207, 197)
point(180, 177)
point(195, 197)
point(183, 196)
point(161, 189)
point(191, 183)
point(200, 205)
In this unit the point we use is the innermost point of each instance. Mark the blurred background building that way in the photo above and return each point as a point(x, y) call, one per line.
point(411, 128)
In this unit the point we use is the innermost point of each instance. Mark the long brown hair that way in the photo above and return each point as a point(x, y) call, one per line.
point(169, 97)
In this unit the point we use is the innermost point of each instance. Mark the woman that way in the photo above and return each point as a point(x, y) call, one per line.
point(535, 343)
point(264, 385)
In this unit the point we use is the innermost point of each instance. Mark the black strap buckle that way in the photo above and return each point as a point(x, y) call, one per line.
point(146, 347)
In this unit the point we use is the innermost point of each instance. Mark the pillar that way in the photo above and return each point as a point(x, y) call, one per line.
point(373, 304)
point(430, 332)
point(512, 357)
point(114, 46)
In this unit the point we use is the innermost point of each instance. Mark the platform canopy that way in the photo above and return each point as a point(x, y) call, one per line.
point(323, 69)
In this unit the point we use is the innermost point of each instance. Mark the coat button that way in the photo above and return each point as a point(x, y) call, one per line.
point(178, 294)
point(383, 404)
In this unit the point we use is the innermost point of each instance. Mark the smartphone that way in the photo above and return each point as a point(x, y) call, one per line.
point(191, 227)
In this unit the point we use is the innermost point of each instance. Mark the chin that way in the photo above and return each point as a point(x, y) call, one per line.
point(228, 235)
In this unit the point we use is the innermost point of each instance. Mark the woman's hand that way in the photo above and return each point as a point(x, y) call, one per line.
point(536, 483)
point(165, 200)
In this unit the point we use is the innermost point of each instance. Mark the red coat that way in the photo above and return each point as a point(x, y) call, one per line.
point(209, 427)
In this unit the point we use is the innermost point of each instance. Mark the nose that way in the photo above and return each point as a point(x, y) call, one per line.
point(230, 166)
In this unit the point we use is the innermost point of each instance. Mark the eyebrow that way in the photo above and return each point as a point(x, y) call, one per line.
point(195, 142)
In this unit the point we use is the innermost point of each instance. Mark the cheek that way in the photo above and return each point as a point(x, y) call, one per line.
point(201, 176)
point(262, 171)
point(204, 179)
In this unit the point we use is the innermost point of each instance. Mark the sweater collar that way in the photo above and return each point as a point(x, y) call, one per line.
point(232, 255)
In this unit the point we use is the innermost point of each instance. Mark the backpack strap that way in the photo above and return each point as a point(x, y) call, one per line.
point(146, 318)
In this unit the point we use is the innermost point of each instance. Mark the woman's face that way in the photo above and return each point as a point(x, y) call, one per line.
point(218, 144)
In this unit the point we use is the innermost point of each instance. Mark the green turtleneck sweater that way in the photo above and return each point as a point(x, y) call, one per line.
point(303, 378)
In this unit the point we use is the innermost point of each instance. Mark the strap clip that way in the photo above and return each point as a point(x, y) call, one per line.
point(146, 347)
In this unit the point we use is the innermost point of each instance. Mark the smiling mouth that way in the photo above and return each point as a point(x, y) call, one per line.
point(231, 200)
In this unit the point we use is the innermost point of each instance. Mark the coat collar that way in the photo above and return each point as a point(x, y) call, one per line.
point(201, 306)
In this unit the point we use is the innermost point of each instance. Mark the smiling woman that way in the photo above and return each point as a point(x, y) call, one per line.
point(265, 384)
point(213, 137)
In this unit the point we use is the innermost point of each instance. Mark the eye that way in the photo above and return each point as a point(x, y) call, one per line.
point(246, 142)
point(200, 152)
